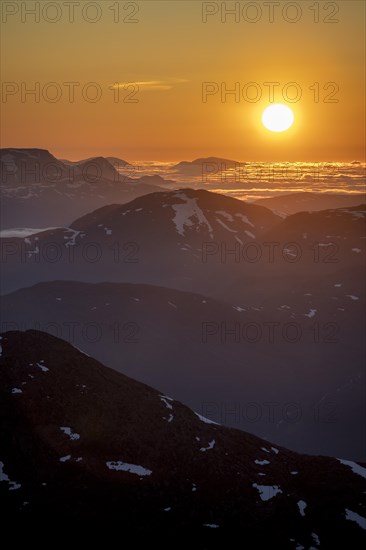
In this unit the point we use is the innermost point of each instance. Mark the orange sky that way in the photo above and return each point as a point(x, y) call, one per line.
point(171, 52)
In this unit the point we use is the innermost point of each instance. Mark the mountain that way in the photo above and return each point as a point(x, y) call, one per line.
point(39, 190)
point(172, 238)
point(155, 180)
point(81, 443)
point(203, 166)
point(309, 250)
point(193, 240)
point(219, 358)
point(115, 161)
point(310, 202)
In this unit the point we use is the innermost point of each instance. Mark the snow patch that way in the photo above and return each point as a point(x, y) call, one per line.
point(206, 420)
point(42, 367)
point(302, 505)
point(353, 516)
point(225, 215)
point(187, 210)
point(266, 492)
point(125, 467)
point(4, 477)
point(166, 400)
point(311, 313)
point(209, 447)
point(225, 226)
point(22, 232)
point(65, 458)
point(356, 468)
point(68, 431)
point(244, 219)
point(261, 462)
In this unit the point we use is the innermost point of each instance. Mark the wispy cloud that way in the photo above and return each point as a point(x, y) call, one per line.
point(151, 85)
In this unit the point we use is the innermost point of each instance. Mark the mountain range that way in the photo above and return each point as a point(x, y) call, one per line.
point(218, 358)
point(81, 443)
point(38, 190)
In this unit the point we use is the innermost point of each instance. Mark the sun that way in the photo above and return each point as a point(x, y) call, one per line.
point(277, 117)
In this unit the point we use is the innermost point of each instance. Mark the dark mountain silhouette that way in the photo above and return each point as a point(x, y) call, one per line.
point(115, 161)
point(204, 166)
point(197, 241)
point(236, 363)
point(155, 180)
point(81, 443)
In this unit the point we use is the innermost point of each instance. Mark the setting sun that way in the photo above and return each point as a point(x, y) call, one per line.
point(277, 118)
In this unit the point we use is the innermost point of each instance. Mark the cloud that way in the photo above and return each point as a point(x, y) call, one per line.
point(151, 85)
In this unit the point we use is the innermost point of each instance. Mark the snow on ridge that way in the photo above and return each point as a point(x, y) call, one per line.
point(353, 516)
point(311, 313)
point(250, 234)
point(261, 462)
point(21, 232)
point(302, 505)
point(64, 458)
point(239, 309)
point(244, 219)
point(187, 210)
point(165, 399)
point(71, 240)
point(266, 492)
point(206, 420)
point(225, 215)
point(4, 477)
point(81, 351)
point(125, 467)
point(42, 367)
point(209, 447)
point(356, 468)
point(68, 431)
point(225, 226)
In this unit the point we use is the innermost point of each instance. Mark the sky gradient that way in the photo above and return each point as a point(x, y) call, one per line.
point(171, 52)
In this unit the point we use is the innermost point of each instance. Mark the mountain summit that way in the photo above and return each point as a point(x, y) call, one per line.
point(82, 442)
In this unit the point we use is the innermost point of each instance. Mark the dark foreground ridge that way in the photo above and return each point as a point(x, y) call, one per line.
point(82, 443)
